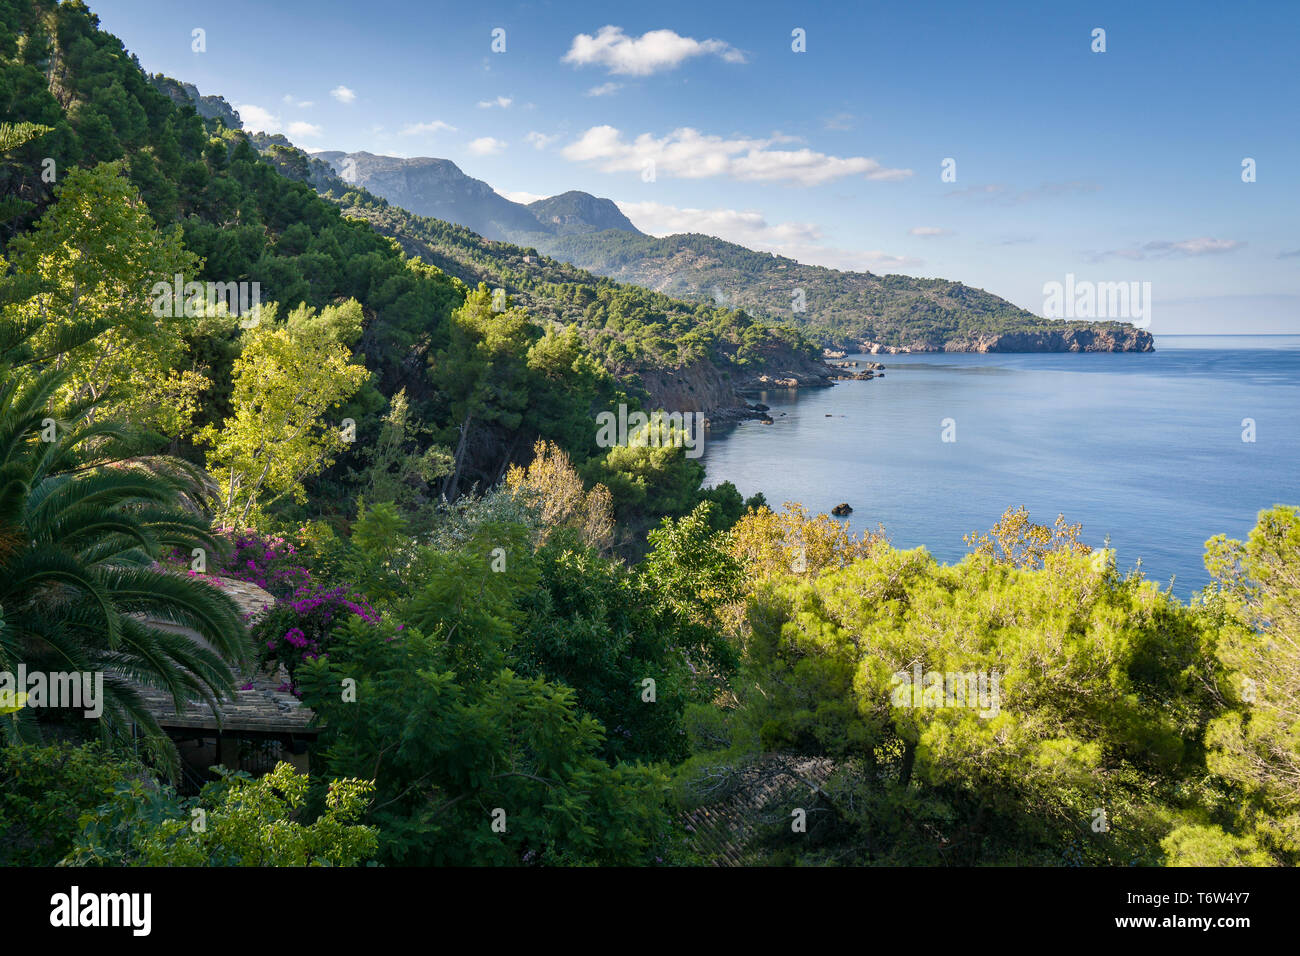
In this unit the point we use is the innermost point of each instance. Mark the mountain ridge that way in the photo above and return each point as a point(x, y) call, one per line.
point(844, 309)
point(433, 187)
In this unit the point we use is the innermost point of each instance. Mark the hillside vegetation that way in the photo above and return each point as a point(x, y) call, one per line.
point(833, 306)
point(841, 307)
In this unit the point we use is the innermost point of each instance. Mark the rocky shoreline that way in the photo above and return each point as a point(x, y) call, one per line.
point(723, 397)
point(714, 392)
point(1121, 339)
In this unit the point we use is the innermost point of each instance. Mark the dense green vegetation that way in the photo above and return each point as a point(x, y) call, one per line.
point(834, 305)
point(406, 462)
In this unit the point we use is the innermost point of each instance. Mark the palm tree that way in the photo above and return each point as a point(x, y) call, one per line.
point(84, 520)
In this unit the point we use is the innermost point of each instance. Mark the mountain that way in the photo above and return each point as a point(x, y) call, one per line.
point(209, 107)
point(853, 309)
point(438, 188)
point(847, 309)
point(434, 187)
point(686, 357)
point(579, 212)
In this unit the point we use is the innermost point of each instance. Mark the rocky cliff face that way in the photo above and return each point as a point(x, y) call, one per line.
point(434, 187)
point(784, 366)
point(1101, 338)
point(698, 387)
point(719, 392)
point(1096, 339)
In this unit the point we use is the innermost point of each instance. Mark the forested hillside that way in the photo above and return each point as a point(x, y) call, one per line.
point(833, 306)
point(631, 328)
point(841, 307)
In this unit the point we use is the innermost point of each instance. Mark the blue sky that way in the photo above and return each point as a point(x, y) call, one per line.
point(1117, 166)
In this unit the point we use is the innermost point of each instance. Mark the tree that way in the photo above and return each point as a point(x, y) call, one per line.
point(44, 793)
point(552, 486)
point(978, 713)
point(566, 384)
point(689, 569)
point(484, 370)
point(773, 545)
point(84, 517)
point(288, 377)
point(650, 475)
point(1254, 745)
point(593, 627)
point(1017, 540)
point(12, 136)
point(474, 766)
point(93, 260)
point(245, 822)
point(395, 470)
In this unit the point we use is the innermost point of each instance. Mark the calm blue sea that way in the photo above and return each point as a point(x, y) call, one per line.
point(1144, 448)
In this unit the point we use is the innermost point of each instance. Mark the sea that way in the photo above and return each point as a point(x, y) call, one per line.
point(1152, 453)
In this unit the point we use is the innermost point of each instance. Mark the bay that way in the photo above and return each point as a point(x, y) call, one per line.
point(1144, 448)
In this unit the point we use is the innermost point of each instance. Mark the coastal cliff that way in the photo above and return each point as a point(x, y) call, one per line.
point(1096, 338)
point(1124, 338)
point(719, 391)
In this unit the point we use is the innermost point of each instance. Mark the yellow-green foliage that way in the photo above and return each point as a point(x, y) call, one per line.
point(239, 821)
point(1255, 743)
point(93, 260)
point(288, 379)
point(1085, 742)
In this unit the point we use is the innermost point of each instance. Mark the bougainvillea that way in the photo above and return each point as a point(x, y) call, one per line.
point(300, 628)
point(271, 563)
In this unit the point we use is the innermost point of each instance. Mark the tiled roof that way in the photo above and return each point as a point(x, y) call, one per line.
point(722, 830)
point(260, 707)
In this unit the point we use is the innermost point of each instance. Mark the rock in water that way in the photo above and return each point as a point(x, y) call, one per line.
point(842, 510)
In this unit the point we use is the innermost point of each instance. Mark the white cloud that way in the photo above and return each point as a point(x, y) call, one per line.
point(605, 89)
point(641, 56)
point(435, 126)
point(928, 231)
point(300, 104)
point(688, 154)
point(304, 130)
point(1204, 246)
point(501, 101)
point(746, 227)
point(801, 241)
point(343, 94)
point(1170, 249)
point(486, 146)
point(258, 119)
point(519, 197)
point(540, 140)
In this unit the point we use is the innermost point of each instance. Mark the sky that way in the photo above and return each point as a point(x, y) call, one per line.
point(988, 143)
